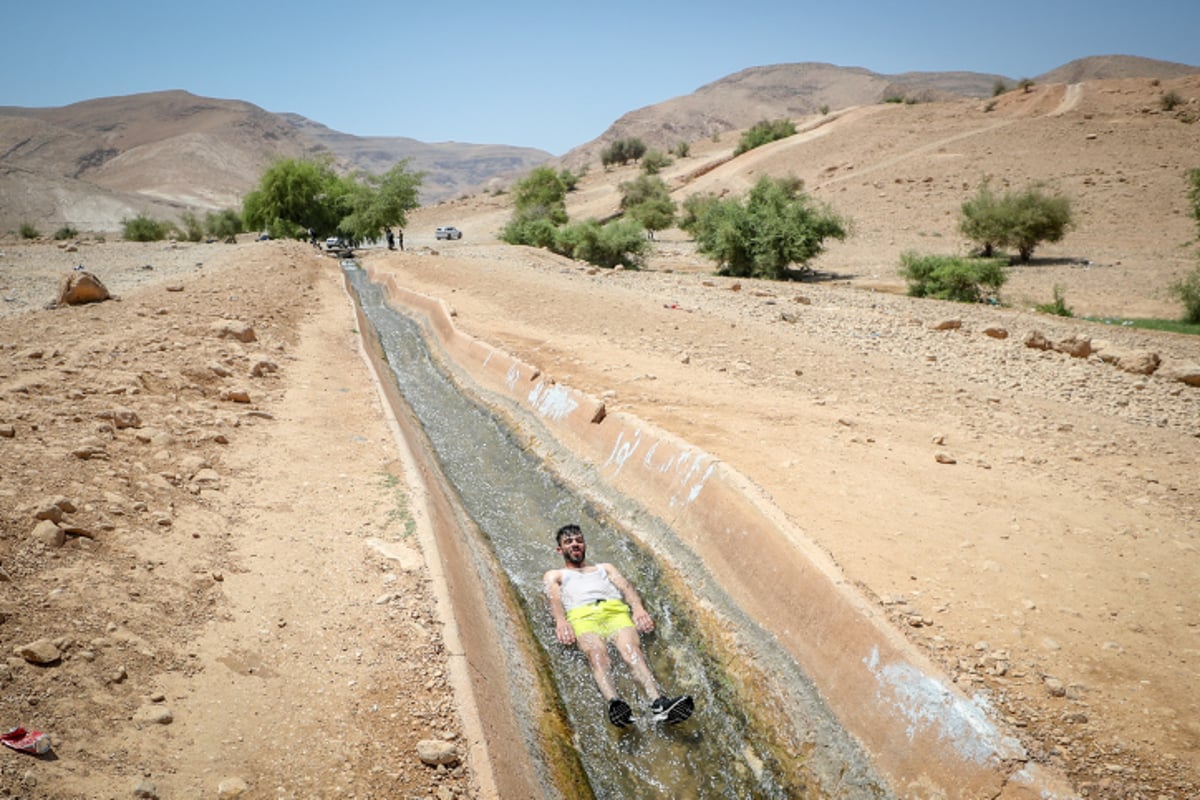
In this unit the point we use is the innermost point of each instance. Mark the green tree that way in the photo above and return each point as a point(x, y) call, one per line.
point(981, 220)
point(1022, 219)
point(777, 225)
point(966, 280)
point(648, 202)
point(295, 196)
point(622, 151)
point(1036, 217)
point(378, 202)
point(539, 207)
point(27, 231)
point(765, 132)
point(1193, 178)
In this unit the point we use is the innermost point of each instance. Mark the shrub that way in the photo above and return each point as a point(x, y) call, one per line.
point(622, 242)
point(824, 109)
point(223, 224)
point(655, 161)
point(776, 226)
point(894, 98)
point(1059, 306)
point(1025, 85)
point(1170, 100)
point(64, 233)
point(27, 231)
point(193, 230)
point(1022, 219)
point(999, 88)
point(538, 232)
point(1193, 178)
point(1187, 289)
point(765, 132)
point(682, 150)
point(648, 202)
point(569, 179)
point(622, 151)
point(144, 229)
point(966, 280)
point(540, 195)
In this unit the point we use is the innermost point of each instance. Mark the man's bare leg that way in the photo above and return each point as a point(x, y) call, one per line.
point(629, 645)
point(596, 650)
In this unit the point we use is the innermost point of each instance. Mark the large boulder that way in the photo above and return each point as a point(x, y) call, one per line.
point(79, 287)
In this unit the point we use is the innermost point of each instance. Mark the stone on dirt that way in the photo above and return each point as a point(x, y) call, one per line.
point(437, 752)
point(79, 287)
point(43, 651)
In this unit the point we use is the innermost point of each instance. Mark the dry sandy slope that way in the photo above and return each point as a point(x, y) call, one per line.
point(1052, 565)
point(254, 568)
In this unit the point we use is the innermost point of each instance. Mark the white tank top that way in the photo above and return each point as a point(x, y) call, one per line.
point(580, 588)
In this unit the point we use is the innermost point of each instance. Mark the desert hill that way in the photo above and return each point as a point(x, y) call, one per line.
point(900, 172)
point(794, 90)
point(91, 164)
point(94, 163)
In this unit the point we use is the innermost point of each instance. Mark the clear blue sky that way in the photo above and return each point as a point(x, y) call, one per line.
point(550, 75)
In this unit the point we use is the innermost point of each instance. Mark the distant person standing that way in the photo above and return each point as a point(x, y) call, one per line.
point(400, 238)
point(391, 239)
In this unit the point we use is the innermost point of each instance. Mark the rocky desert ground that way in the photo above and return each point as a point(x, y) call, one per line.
point(210, 582)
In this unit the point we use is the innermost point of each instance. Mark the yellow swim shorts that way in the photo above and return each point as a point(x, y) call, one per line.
point(603, 618)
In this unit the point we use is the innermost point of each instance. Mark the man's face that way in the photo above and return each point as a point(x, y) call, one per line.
point(573, 548)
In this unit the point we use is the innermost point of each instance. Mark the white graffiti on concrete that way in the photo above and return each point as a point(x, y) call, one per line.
point(927, 704)
point(554, 402)
point(688, 466)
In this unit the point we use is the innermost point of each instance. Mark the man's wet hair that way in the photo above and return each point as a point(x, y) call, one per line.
point(567, 530)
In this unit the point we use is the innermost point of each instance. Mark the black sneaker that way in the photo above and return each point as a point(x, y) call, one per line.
point(619, 713)
point(672, 710)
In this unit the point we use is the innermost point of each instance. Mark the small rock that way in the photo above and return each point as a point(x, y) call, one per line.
point(945, 458)
point(147, 790)
point(436, 752)
point(155, 714)
point(236, 395)
point(7, 432)
point(947, 325)
point(42, 651)
point(230, 788)
point(263, 367)
point(1075, 346)
point(1038, 341)
point(49, 534)
point(996, 333)
point(233, 329)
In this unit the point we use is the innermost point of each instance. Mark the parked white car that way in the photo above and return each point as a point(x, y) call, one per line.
point(448, 232)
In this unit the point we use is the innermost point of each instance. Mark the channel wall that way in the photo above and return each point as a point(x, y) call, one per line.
point(922, 734)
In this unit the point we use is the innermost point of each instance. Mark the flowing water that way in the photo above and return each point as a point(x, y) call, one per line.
point(517, 504)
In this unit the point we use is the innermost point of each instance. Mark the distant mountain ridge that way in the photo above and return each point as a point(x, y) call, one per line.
point(91, 164)
point(776, 91)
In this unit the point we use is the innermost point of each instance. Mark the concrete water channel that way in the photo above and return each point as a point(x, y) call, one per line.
point(507, 472)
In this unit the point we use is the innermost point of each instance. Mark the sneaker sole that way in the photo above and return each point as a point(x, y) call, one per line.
point(679, 712)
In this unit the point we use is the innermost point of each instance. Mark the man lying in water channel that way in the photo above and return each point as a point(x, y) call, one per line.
point(594, 603)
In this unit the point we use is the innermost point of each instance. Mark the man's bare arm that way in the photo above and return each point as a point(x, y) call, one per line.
point(552, 583)
point(641, 619)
